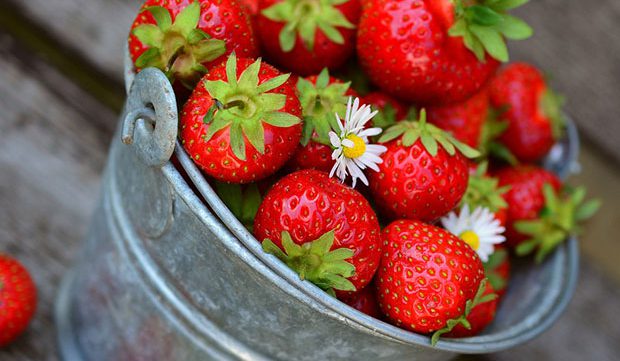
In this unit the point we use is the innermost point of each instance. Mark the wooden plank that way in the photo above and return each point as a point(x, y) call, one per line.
point(96, 30)
point(53, 140)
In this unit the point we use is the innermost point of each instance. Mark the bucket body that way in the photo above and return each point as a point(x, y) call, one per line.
point(167, 273)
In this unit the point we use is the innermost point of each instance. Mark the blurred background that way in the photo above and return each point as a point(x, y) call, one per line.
point(61, 91)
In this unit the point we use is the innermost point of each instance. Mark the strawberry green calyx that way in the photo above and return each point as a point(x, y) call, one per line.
point(559, 219)
point(478, 299)
point(244, 105)
point(483, 191)
point(490, 269)
point(430, 135)
point(551, 104)
point(492, 129)
point(485, 24)
point(304, 17)
point(314, 261)
point(243, 201)
point(320, 103)
point(177, 48)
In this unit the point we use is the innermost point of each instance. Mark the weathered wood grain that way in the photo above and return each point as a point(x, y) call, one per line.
point(581, 53)
point(52, 149)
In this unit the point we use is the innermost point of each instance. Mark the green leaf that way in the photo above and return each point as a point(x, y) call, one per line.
point(237, 143)
point(273, 83)
point(332, 33)
point(217, 89)
point(465, 149)
point(255, 134)
point(339, 254)
point(307, 30)
point(162, 17)
point(505, 5)
point(287, 40)
point(231, 195)
point(281, 119)
point(249, 77)
point(322, 80)
point(219, 122)
point(208, 50)
point(587, 210)
point(149, 35)
point(271, 248)
point(197, 35)
point(231, 69)
point(251, 202)
point(492, 41)
point(409, 137)
point(151, 57)
point(514, 28)
point(482, 15)
point(429, 143)
point(526, 247)
point(187, 19)
point(447, 145)
point(323, 243)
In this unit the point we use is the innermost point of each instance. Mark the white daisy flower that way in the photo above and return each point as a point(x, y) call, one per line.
point(480, 229)
point(352, 152)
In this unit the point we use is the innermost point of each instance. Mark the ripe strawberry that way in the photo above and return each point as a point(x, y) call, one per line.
point(483, 190)
point(321, 98)
point(18, 299)
point(184, 38)
point(479, 318)
point(241, 123)
point(463, 120)
point(540, 214)
point(307, 36)
point(364, 301)
point(390, 109)
point(424, 171)
point(497, 271)
point(427, 277)
point(319, 223)
point(530, 109)
point(525, 197)
point(435, 51)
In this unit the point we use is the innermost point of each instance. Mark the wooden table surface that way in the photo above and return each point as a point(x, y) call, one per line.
point(61, 91)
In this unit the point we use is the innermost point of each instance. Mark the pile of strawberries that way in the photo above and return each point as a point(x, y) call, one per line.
point(377, 148)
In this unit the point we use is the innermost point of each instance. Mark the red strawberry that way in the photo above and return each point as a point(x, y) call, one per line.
point(479, 318)
point(540, 214)
point(18, 299)
point(321, 98)
point(434, 51)
point(483, 190)
point(184, 38)
point(530, 109)
point(241, 123)
point(497, 270)
point(251, 6)
point(463, 120)
point(427, 276)
point(525, 197)
point(390, 109)
point(364, 301)
point(424, 171)
point(307, 36)
point(313, 218)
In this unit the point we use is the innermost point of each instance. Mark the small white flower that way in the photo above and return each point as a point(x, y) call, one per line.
point(480, 229)
point(352, 152)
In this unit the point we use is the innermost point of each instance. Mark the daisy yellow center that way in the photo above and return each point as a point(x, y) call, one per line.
point(358, 149)
point(471, 238)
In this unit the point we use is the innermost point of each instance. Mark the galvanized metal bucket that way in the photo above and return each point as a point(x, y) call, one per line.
point(168, 273)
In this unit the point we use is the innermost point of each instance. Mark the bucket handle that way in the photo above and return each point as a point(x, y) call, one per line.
point(150, 123)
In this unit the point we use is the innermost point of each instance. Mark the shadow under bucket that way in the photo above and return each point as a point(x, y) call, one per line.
point(168, 273)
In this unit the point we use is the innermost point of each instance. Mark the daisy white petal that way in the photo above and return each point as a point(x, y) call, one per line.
point(480, 229)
